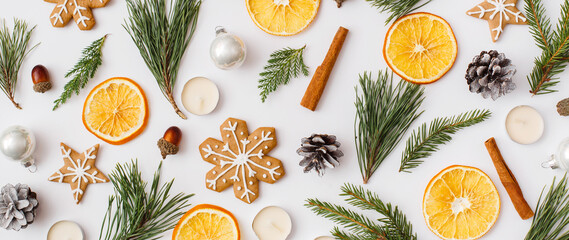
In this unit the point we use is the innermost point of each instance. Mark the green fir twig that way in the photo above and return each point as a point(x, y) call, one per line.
point(82, 71)
point(426, 140)
point(392, 225)
point(396, 8)
point(135, 213)
point(552, 213)
point(384, 112)
point(162, 37)
point(283, 65)
point(13, 50)
point(554, 46)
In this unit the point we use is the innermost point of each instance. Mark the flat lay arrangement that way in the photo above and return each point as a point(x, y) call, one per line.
point(284, 119)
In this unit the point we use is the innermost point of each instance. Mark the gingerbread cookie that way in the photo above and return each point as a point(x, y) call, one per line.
point(78, 170)
point(240, 159)
point(80, 10)
point(498, 13)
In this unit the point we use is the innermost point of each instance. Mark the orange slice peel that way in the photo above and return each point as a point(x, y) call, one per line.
point(282, 17)
point(205, 222)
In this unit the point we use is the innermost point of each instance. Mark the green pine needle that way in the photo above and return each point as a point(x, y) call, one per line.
point(396, 8)
point(284, 64)
point(139, 214)
point(393, 224)
point(554, 46)
point(82, 71)
point(13, 50)
point(426, 140)
point(162, 37)
point(552, 214)
point(384, 112)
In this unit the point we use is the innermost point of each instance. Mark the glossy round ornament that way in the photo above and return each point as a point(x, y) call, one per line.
point(18, 144)
point(561, 157)
point(227, 50)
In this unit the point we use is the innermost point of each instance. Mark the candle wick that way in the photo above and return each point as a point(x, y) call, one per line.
point(277, 227)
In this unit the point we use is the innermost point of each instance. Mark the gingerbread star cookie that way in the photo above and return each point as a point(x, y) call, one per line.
point(79, 10)
point(240, 159)
point(78, 170)
point(498, 13)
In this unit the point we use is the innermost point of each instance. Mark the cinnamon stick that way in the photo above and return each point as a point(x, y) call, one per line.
point(508, 180)
point(322, 73)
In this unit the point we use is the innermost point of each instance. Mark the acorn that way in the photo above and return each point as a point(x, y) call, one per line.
point(40, 78)
point(170, 143)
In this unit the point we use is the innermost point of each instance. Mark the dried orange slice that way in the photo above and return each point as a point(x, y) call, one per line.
point(116, 110)
point(206, 222)
point(420, 47)
point(282, 17)
point(461, 202)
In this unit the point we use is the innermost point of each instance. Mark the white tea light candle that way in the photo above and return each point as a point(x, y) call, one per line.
point(272, 223)
point(65, 230)
point(200, 96)
point(524, 124)
point(324, 238)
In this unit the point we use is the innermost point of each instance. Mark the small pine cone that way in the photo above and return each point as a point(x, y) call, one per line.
point(490, 74)
point(18, 206)
point(563, 107)
point(319, 151)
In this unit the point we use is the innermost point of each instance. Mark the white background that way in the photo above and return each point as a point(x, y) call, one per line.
point(61, 47)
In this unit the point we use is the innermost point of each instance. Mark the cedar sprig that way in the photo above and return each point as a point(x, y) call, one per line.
point(135, 213)
point(13, 50)
point(162, 38)
point(425, 140)
point(554, 46)
point(283, 65)
point(552, 213)
point(392, 225)
point(82, 71)
point(384, 112)
point(396, 8)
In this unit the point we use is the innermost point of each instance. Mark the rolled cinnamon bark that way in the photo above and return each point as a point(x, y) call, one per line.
point(322, 73)
point(508, 180)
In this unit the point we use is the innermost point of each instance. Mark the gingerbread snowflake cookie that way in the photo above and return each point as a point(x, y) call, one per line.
point(498, 13)
point(79, 10)
point(78, 170)
point(241, 159)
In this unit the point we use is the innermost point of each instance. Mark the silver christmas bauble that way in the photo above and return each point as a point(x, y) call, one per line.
point(227, 50)
point(18, 144)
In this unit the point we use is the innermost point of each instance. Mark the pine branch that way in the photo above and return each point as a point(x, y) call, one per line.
point(424, 141)
point(284, 64)
point(393, 224)
point(554, 45)
point(82, 71)
point(396, 8)
point(552, 214)
point(384, 112)
point(162, 38)
point(139, 214)
point(13, 50)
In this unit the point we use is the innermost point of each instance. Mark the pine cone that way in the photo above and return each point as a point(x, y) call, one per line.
point(319, 151)
point(18, 206)
point(490, 73)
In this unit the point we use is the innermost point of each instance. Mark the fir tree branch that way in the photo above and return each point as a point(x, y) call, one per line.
point(554, 45)
point(162, 38)
point(426, 140)
point(396, 8)
point(139, 214)
point(82, 71)
point(552, 213)
point(13, 51)
point(393, 224)
point(384, 112)
point(284, 64)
